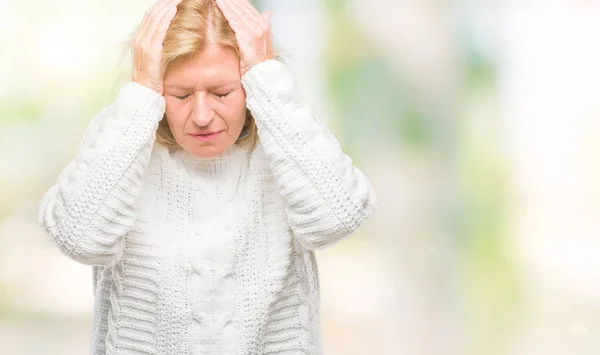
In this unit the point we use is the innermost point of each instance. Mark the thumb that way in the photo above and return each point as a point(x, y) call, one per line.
point(267, 15)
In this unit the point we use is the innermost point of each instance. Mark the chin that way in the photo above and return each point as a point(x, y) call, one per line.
point(206, 150)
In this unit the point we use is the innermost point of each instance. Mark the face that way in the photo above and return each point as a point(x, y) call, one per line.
point(205, 101)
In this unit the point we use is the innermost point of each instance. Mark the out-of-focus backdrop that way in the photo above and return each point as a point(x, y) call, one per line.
point(478, 123)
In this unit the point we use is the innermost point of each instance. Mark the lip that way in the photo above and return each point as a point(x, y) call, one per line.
point(206, 137)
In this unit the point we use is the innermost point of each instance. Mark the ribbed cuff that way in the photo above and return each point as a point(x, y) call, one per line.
point(271, 74)
point(134, 95)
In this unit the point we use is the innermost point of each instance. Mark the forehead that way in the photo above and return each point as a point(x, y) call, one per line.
point(213, 66)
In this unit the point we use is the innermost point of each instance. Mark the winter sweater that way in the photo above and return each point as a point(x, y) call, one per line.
point(206, 255)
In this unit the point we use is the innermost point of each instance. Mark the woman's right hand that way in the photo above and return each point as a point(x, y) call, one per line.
point(148, 44)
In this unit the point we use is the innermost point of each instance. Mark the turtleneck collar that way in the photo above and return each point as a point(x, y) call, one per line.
point(234, 152)
point(225, 164)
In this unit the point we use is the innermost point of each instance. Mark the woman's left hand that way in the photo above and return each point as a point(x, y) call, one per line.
point(252, 31)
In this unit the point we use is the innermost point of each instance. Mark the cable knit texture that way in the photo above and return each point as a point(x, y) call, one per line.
point(198, 256)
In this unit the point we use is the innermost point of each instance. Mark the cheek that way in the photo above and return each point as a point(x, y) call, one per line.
point(234, 110)
point(237, 100)
point(172, 108)
point(176, 115)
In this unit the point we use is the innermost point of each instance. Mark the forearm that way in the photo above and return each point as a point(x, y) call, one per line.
point(92, 205)
point(327, 198)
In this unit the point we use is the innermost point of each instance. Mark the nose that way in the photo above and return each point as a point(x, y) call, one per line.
point(203, 113)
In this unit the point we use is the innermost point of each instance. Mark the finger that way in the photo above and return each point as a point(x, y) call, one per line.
point(151, 11)
point(245, 10)
point(226, 9)
point(161, 29)
point(143, 27)
point(230, 15)
point(267, 16)
point(151, 18)
point(158, 13)
point(247, 7)
point(261, 21)
point(249, 17)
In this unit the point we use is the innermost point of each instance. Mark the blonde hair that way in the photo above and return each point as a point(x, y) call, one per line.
point(197, 25)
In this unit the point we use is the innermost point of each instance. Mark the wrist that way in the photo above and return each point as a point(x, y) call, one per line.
point(150, 84)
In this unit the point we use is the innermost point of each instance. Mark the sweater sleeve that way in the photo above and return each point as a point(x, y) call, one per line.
point(91, 207)
point(326, 197)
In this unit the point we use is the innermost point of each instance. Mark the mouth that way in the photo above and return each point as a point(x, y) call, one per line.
point(206, 137)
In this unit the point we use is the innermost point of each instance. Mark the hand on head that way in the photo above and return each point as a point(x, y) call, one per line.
point(148, 44)
point(252, 31)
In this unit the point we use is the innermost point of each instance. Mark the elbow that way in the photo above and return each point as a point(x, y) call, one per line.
point(323, 239)
point(340, 228)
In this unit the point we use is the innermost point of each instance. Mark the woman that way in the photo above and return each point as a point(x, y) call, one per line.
point(199, 218)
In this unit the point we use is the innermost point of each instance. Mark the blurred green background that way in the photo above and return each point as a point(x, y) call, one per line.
point(476, 121)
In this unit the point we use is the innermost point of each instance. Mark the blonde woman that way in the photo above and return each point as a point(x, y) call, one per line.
point(200, 194)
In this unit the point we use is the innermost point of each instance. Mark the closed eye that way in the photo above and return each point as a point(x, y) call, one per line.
point(183, 97)
point(222, 95)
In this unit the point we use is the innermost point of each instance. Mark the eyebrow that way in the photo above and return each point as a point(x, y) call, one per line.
point(183, 87)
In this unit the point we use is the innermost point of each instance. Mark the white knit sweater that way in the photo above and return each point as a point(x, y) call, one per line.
point(206, 256)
